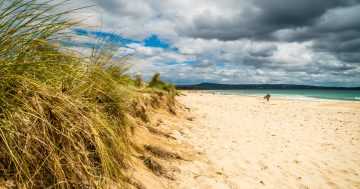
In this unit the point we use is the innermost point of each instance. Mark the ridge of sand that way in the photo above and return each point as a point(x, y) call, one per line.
point(244, 142)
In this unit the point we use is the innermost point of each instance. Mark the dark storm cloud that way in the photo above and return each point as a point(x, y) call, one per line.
point(332, 26)
point(340, 43)
point(261, 19)
point(294, 13)
point(208, 26)
point(265, 51)
point(350, 57)
point(338, 46)
point(134, 8)
point(336, 31)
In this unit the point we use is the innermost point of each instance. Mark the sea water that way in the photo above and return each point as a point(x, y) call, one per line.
point(307, 94)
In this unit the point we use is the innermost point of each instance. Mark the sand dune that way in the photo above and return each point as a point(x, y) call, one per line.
point(245, 142)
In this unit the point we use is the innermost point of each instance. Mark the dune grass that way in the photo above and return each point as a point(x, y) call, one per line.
point(139, 81)
point(157, 83)
point(62, 116)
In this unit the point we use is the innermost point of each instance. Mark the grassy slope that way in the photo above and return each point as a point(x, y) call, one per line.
point(63, 117)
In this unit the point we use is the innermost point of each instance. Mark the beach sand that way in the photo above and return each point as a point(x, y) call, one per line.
point(245, 142)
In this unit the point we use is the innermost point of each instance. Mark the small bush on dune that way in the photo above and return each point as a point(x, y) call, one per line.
point(138, 80)
point(157, 83)
point(62, 116)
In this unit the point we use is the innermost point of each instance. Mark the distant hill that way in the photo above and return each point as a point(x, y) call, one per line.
point(216, 86)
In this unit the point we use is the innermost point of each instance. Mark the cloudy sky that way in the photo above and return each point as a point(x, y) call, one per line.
point(313, 42)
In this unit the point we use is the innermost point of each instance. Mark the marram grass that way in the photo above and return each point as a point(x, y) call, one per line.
point(157, 83)
point(62, 116)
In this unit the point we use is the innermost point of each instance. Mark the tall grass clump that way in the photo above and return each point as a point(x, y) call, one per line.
point(138, 80)
point(62, 116)
point(157, 83)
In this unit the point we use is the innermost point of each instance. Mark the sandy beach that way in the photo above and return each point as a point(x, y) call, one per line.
point(245, 142)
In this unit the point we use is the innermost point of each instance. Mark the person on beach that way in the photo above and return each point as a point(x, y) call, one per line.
point(267, 97)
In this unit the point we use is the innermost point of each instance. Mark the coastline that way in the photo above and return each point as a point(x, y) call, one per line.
point(245, 142)
point(289, 97)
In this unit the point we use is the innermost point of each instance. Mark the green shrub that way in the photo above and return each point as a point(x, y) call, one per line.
point(157, 83)
point(138, 81)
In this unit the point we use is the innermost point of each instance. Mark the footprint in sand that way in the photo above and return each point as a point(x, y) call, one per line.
point(263, 166)
point(344, 171)
point(297, 161)
point(332, 184)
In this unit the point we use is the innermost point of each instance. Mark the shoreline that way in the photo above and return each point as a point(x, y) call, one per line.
point(307, 99)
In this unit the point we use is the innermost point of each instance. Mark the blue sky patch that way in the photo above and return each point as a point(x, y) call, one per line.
point(118, 39)
point(190, 62)
point(154, 41)
point(220, 64)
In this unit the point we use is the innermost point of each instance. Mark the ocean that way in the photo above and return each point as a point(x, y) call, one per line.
point(307, 94)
